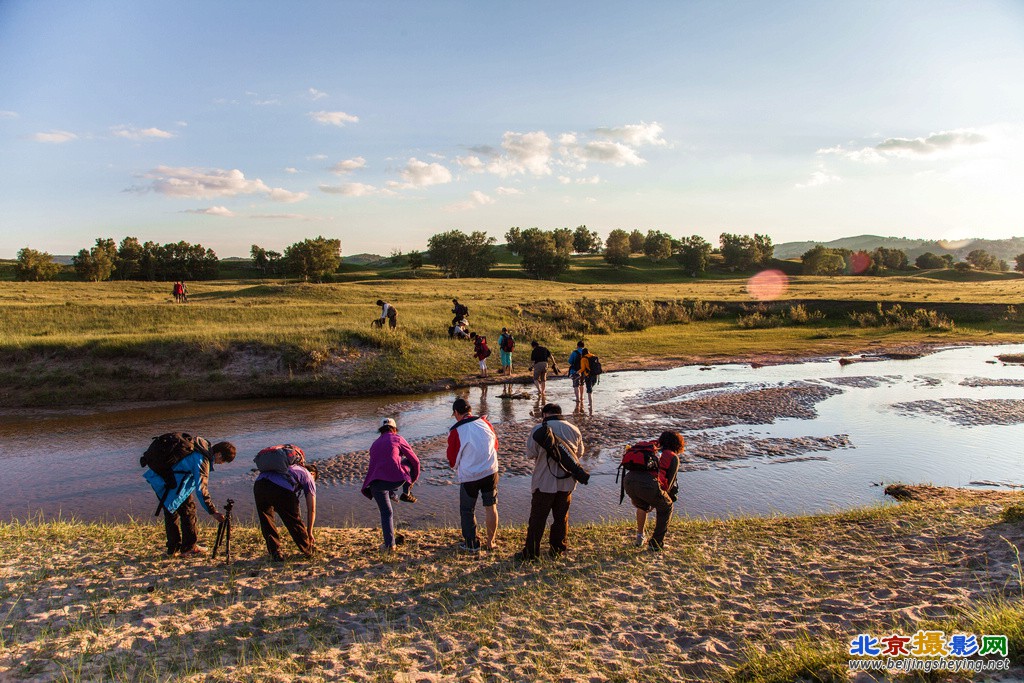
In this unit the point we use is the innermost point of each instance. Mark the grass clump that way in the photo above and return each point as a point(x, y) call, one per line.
point(900, 318)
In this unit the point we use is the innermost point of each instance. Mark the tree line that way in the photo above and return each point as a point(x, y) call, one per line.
point(820, 260)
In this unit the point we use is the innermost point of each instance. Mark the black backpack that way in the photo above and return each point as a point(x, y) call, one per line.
point(595, 367)
point(461, 310)
point(166, 451)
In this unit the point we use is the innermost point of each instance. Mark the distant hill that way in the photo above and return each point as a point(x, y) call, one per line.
point(1006, 249)
point(62, 259)
point(362, 259)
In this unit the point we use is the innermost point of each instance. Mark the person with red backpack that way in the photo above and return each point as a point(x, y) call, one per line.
point(506, 343)
point(480, 351)
point(650, 482)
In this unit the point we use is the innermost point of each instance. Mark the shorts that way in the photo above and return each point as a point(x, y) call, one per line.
point(540, 371)
point(577, 380)
point(486, 488)
point(506, 358)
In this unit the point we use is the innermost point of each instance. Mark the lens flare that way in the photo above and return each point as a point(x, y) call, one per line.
point(768, 285)
point(859, 262)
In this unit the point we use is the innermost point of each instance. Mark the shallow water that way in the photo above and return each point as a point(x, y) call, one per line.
point(73, 464)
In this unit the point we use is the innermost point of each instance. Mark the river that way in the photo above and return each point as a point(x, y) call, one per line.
point(949, 418)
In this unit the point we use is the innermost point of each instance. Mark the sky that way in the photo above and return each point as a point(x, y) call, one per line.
point(382, 123)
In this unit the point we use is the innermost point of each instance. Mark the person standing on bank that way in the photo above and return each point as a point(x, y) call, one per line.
point(552, 486)
point(393, 466)
point(279, 492)
point(656, 491)
point(473, 453)
point(539, 358)
point(506, 343)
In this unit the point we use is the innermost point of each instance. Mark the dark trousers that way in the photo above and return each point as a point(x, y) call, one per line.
point(645, 493)
point(486, 488)
point(185, 539)
point(271, 498)
point(543, 504)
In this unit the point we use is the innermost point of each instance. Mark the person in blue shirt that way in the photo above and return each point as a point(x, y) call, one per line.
point(191, 474)
point(279, 492)
point(574, 372)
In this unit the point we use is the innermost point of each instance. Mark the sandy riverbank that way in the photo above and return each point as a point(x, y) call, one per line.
point(725, 600)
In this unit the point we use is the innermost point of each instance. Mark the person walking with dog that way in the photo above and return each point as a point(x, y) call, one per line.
point(387, 312)
point(540, 357)
point(552, 486)
point(279, 492)
point(393, 466)
point(656, 490)
point(180, 465)
point(473, 453)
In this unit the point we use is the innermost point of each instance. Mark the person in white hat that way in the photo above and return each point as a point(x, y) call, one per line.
point(393, 466)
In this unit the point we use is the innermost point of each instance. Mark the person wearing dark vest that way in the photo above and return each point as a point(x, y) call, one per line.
point(552, 486)
point(279, 492)
point(539, 358)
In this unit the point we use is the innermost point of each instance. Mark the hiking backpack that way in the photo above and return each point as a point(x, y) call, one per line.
point(461, 311)
point(595, 365)
point(507, 343)
point(482, 350)
point(642, 456)
point(279, 458)
point(166, 451)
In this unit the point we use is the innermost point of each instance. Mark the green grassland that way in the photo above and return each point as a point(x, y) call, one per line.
point(78, 342)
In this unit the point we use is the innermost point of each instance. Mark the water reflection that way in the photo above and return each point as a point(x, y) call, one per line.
point(87, 464)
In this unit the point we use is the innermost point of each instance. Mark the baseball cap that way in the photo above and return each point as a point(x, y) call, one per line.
point(388, 422)
point(460, 405)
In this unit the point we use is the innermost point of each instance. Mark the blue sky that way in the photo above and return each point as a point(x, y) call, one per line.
point(382, 123)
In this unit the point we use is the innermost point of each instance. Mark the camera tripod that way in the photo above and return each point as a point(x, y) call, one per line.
point(224, 533)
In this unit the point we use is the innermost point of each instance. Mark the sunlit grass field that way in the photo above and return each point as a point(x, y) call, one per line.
point(66, 340)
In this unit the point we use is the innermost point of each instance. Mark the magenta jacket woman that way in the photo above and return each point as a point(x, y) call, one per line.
point(393, 466)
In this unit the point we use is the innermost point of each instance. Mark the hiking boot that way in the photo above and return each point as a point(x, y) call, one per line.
point(172, 553)
point(276, 558)
point(407, 498)
point(640, 540)
point(194, 550)
point(654, 546)
point(385, 548)
point(521, 556)
point(399, 539)
point(465, 547)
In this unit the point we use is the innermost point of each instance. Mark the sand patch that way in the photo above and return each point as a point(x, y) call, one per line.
point(968, 412)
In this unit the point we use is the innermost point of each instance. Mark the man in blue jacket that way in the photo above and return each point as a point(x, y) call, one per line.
point(192, 473)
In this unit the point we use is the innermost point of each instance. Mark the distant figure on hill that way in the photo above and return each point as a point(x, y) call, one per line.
point(387, 312)
point(460, 311)
point(506, 343)
point(393, 466)
point(184, 293)
point(179, 465)
point(540, 357)
point(178, 291)
point(656, 490)
point(473, 453)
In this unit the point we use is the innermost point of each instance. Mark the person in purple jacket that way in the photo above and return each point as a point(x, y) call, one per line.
point(278, 492)
point(393, 466)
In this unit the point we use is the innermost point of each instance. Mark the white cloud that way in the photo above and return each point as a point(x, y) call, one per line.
point(507, 190)
point(317, 157)
point(182, 124)
point(476, 199)
point(421, 174)
point(614, 153)
point(524, 153)
point(819, 178)
point(54, 137)
point(315, 94)
point(592, 180)
point(865, 155)
point(291, 169)
point(471, 163)
point(933, 143)
point(205, 183)
point(286, 216)
point(348, 165)
point(352, 189)
point(284, 196)
point(133, 133)
point(333, 118)
point(4, 114)
point(564, 179)
point(635, 134)
point(221, 211)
